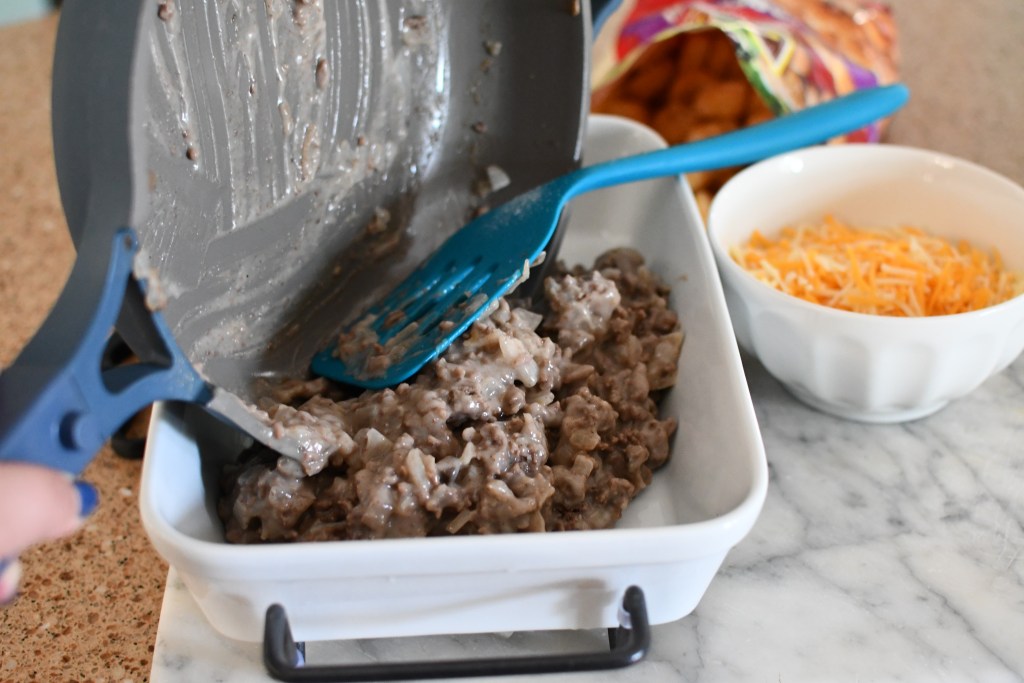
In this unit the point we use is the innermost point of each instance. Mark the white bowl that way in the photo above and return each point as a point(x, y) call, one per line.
point(867, 367)
point(670, 542)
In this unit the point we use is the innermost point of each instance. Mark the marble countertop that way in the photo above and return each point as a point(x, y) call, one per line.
point(883, 553)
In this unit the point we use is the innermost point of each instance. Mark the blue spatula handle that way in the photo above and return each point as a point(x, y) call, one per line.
point(806, 127)
point(57, 405)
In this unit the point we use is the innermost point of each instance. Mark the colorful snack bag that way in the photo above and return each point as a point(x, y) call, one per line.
point(695, 68)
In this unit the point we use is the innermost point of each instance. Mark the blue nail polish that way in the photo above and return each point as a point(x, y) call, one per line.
point(5, 562)
point(88, 498)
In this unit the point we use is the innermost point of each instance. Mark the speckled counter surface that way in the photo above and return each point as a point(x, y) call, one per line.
point(90, 605)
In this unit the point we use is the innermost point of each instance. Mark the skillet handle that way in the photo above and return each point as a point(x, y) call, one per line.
point(57, 405)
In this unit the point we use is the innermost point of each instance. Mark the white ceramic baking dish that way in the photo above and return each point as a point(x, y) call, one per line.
point(670, 542)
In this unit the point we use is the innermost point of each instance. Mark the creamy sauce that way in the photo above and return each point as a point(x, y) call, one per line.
point(531, 421)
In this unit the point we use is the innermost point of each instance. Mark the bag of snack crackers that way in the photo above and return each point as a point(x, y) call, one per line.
point(691, 69)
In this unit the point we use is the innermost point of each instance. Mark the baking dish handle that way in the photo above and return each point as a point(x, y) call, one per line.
point(629, 643)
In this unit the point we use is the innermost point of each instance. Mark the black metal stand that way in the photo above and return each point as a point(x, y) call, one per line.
point(629, 642)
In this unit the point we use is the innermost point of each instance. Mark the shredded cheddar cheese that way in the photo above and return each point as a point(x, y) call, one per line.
point(882, 271)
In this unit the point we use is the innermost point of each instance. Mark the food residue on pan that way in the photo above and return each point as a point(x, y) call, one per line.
point(322, 73)
point(253, 124)
point(531, 421)
point(165, 10)
point(494, 178)
point(415, 30)
point(901, 271)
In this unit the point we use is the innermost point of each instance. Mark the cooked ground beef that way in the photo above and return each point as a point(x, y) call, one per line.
point(532, 421)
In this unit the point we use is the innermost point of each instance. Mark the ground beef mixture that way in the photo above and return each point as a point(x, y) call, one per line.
point(532, 421)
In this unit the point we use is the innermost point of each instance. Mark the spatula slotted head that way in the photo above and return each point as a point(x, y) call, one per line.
point(414, 323)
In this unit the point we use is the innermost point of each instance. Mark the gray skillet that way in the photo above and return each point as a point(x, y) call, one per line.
point(238, 177)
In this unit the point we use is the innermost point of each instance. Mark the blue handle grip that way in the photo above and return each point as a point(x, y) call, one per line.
point(57, 405)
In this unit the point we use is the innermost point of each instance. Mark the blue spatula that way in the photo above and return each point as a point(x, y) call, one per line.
point(428, 310)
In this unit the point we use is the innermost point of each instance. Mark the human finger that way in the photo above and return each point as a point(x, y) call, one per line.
point(39, 504)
